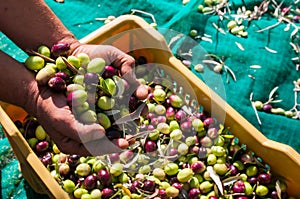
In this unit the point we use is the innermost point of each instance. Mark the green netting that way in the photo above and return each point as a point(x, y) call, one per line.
point(277, 69)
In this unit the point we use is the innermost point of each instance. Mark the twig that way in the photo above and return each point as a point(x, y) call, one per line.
point(69, 65)
point(41, 55)
point(145, 13)
point(255, 110)
point(269, 27)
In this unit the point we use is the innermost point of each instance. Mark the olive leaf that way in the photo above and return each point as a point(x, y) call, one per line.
point(120, 85)
point(104, 87)
point(215, 178)
point(134, 160)
point(111, 112)
point(230, 180)
point(278, 189)
point(131, 116)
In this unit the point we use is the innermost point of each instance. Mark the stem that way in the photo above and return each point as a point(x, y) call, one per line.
point(143, 12)
point(255, 110)
point(41, 55)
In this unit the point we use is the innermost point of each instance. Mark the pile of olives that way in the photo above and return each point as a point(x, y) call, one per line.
point(179, 150)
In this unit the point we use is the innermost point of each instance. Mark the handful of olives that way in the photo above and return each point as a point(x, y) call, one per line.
point(95, 91)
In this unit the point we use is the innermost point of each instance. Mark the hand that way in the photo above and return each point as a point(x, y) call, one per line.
point(71, 136)
point(84, 139)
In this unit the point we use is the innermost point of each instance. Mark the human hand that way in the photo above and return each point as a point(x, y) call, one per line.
point(55, 115)
point(71, 136)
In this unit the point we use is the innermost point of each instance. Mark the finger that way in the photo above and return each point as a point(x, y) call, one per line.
point(95, 147)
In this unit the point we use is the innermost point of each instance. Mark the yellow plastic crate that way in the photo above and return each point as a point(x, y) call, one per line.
point(132, 34)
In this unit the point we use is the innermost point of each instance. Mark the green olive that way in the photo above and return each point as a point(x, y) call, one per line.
point(34, 63)
point(105, 102)
point(261, 190)
point(96, 65)
point(116, 169)
point(172, 192)
point(159, 173)
point(60, 64)
point(68, 185)
point(185, 175)
point(103, 120)
point(171, 169)
point(44, 50)
point(84, 59)
point(176, 134)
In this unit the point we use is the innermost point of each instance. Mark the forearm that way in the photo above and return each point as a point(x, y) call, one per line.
point(18, 85)
point(31, 23)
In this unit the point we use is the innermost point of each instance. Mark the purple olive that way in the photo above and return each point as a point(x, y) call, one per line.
point(202, 153)
point(194, 193)
point(150, 146)
point(149, 185)
point(162, 194)
point(154, 121)
point(274, 195)
point(73, 160)
point(212, 132)
point(241, 197)
point(264, 178)
point(252, 180)
point(173, 151)
point(177, 185)
point(134, 186)
point(267, 108)
point(91, 78)
point(198, 167)
point(114, 157)
point(180, 115)
point(90, 182)
point(109, 71)
point(62, 75)
point(57, 84)
point(239, 187)
point(150, 96)
point(107, 193)
point(104, 176)
point(30, 126)
point(208, 122)
point(42, 146)
point(59, 49)
point(46, 159)
point(170, 113)
point(233, 170)
point(186, 126)
point(246, 158)
point(161, 119)
point(151, 115)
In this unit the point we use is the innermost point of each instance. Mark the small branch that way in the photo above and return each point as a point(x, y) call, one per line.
point(255, 110)
point(32, 52)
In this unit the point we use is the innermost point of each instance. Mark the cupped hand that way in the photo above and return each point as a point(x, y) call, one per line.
point(72, 136)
